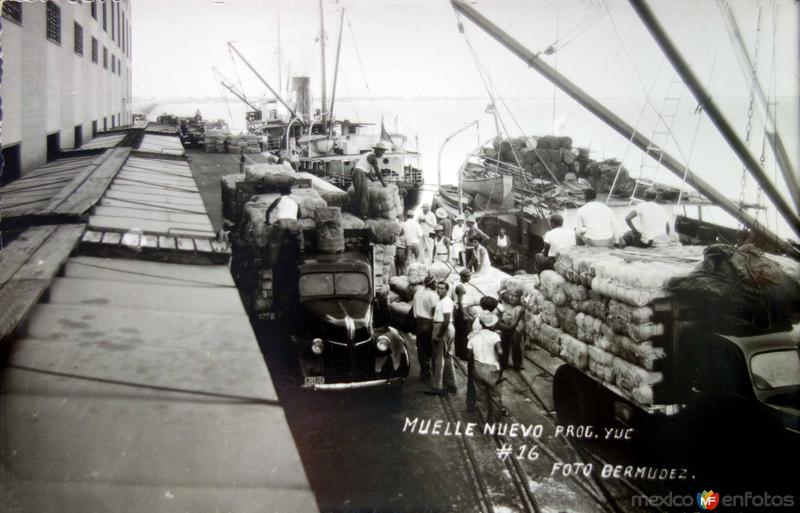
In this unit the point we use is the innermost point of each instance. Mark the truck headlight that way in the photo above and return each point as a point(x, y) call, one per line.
point(382, 343)
point(316, 346)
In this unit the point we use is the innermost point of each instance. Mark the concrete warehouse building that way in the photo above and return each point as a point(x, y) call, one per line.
point(66, 76)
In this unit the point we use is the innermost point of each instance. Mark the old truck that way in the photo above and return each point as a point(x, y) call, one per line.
point(338, 344)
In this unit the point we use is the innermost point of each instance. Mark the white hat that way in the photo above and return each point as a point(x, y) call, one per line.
point(460, 217)
point(440, 213)
point(487, 319)
point(382, 145)
point(470, 219)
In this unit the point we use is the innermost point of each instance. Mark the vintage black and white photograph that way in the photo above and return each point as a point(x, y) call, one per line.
point(399, 256)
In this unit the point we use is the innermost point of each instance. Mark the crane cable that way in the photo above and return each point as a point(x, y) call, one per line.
point(749, 127)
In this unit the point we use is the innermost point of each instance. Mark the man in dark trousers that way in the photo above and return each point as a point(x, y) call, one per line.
point(367, 166)
point(425, 300)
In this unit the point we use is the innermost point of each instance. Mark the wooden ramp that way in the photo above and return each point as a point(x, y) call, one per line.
point(65, 189)
point(139, 386)
point(104, 141)
point(161, 144)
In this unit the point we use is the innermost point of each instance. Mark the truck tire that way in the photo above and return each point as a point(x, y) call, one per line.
point(580, 400)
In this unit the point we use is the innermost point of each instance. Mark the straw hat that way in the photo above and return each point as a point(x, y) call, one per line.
point(382, 145)
point(440, 213)
point(460, 217)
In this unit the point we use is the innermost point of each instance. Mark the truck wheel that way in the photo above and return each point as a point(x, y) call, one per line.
point(580, 400)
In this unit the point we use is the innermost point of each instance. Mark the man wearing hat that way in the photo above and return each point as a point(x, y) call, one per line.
point(457, 241)
point(427, 220)
point(472, 231)
point(442, 219)
point(484, 348)
point(441, 245)
point(423, 304)
point(367, 166)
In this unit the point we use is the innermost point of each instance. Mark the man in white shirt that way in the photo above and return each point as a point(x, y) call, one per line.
point(556, 240)
point(365, 168)
point(413, 233)
point(427, 221)
point(484, 348)
point(444, 373)
point(286, 214)
point(425, 300)
point(653, 228)
point(441, 246)
point(457, 241)
point(596, 225)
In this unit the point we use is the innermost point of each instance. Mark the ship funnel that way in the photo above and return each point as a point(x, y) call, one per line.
point(302, 97)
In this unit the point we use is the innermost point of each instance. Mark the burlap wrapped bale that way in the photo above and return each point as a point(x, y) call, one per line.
point(555, 143)
point(574, 351)
point(524, 284)
point(349, 221)
point(576, 291)
point(384, 202)
point(629, 376)
point(400, 285)
point(552, 286)
point(259, 172)
point(230, 209)
point(596, 305)
point(439, 271)
point(330, 234)
point(566, 319)
point(417, 272)
point(384, 231)
point(308, 200)
point(550, 338)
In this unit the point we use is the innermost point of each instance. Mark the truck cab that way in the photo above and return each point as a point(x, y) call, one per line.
point(338, 345)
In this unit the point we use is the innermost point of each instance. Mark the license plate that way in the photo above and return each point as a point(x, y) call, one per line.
point(315, 380)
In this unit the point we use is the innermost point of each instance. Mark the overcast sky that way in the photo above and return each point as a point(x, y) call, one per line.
point(413, 48)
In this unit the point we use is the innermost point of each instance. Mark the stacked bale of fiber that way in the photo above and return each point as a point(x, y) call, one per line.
point(384, 202)
point(230, 208)
point(612, 335)
point(330, 233)
point(551, 156)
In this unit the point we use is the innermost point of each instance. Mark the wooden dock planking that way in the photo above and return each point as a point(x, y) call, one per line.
point(30, 264)
point(86, 194)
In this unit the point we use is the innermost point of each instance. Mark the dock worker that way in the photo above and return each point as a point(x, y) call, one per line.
point(510, 340)
point(413, 234)
point(479, 261)
point(653, 223)
point(286, 251)
point(556, 240)
point(427, 220)
point(241, 161)
point(401, 252)
point(484, 349)
point(442, 219)
point(285, 218)
point(444, 371)
point(457, 241)
point(367, 167)
point(461, 318)
point(423, 303)
point(441, 245)
point(472, 231)
point(596, 224)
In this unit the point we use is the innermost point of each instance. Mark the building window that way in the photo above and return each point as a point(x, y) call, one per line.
point(122, 32)
point(113, 64)
point(94, 128)
point(53, 22)
point(93, 7)
point(105, 124)
point(12, 161)
point(105, 24)
point(105, 57)
point(78, 137)
point(78, 39)
point(113, 31)
point(94, 50)
point(12, 10)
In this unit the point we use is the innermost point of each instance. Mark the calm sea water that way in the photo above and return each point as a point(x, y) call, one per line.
point(430, 121)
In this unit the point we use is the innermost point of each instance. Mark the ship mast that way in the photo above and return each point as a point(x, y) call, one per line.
point(614, 121)
point(322, 52)
point(280, 60)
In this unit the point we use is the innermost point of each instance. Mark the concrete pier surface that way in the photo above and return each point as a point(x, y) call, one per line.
point(133, 380)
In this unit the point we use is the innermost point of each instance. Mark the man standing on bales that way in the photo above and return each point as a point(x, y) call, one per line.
point(367, 167)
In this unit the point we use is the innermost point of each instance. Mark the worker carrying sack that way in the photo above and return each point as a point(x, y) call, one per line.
point(746, 292)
